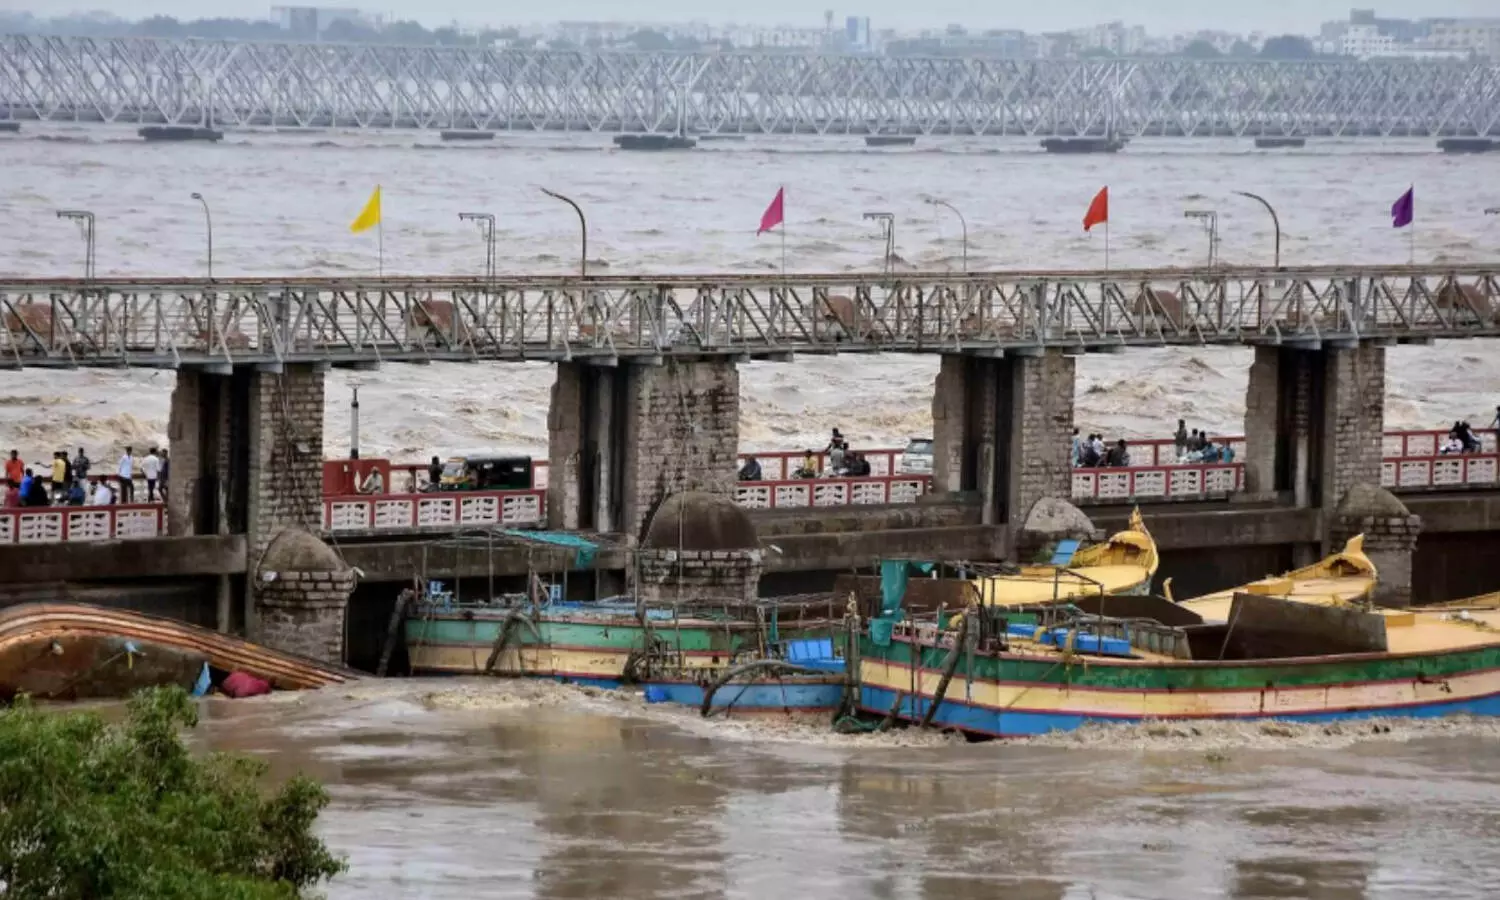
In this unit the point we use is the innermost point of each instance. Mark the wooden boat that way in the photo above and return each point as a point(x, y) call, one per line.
point(176, 133)
point(1123, 564)
point(603, 643)
point(75, 651)
point(804, 677)
point(1345, 577)
point(1461, 145)
point(1307, 651)
point(655, 142)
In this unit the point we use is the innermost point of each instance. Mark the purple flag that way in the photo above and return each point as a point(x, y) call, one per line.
point(1402, 209)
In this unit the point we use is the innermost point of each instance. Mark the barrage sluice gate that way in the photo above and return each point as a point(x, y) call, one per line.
point(645, 407)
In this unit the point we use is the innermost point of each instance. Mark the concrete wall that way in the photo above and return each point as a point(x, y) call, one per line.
point(1353, 420)
point(1041, 432)
point(1002, 430)
point(622, 439)
point(286, 453)
point(682, 433)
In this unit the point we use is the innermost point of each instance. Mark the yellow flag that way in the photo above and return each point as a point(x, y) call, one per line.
point(369, 217)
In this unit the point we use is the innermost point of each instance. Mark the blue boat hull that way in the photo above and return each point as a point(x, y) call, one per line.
point(754, 697)
point(955, 713)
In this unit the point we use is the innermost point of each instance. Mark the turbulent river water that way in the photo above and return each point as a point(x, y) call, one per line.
point(281, 206)
point(463, 789)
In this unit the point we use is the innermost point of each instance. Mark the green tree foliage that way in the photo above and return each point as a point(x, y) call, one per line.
point(1288, 46)
point(1201, 49)
point(101, 811)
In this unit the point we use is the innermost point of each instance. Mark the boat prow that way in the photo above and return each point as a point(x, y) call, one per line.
point(1340, 579)
point(1122, 564)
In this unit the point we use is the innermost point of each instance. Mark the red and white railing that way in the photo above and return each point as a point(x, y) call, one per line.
point(1195, 482)
point(1456, 470)
point(1402, 444)
point(50, 524)
point(815, 493)
point(400, 512)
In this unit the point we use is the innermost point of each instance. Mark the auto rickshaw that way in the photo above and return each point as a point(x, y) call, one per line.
point(487, 473)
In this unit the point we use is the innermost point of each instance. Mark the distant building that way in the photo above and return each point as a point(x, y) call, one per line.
point(311, 21)
point(857, 34)
point(1478, 36)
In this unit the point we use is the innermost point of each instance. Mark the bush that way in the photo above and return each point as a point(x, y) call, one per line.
point(94, 810)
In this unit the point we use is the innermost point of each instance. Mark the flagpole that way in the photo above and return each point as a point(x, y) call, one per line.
point(783, 249)
point(1106, 245)
point(380, 246)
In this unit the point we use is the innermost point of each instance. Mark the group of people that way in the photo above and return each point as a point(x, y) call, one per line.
point(71, 482)
point(1092, 453)
point(1461, 439)
point(1197, 447)
point(842, 463)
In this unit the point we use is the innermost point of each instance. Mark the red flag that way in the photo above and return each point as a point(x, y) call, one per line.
point(1098, 210)
point(773, 214)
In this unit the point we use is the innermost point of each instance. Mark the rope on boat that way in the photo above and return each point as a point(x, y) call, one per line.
point(516, 615)
point(774, 665)
point(950, 665)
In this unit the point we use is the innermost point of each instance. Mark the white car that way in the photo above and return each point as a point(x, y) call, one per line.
point(916, 459)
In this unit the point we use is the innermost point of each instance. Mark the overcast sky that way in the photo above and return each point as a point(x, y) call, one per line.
point(1299, 16)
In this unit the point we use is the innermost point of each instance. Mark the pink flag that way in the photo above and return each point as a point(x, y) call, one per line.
point(773, 214)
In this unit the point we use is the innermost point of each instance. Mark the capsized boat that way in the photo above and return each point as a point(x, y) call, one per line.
point(1123, 564)
point(77, 651)
point(1309, 650)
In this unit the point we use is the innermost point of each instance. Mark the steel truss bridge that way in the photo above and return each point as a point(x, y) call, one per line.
point(194, 82)
point(192, 322)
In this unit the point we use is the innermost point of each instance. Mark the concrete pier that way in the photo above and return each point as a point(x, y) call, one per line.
point(1002, 429)
point(623, 438)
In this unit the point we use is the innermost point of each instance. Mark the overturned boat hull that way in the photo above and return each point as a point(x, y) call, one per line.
point(77, 651)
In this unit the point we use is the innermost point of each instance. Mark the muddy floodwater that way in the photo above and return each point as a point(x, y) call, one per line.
point(462, 788)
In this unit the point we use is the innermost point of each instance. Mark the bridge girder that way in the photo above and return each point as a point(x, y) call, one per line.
point(193, 82)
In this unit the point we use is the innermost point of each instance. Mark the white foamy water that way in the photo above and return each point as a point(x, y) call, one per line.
point(282, 204)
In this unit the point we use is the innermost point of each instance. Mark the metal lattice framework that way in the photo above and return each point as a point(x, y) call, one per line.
point(351, 321)
point(244, 84)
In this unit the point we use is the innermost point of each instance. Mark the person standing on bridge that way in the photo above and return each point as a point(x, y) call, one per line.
point(81, 466)
point(12, 495)
point(1180, 440)
point(151, 469)
point(126, 471)
point(60, 468)
point(15, 470)
point(102, 495)
point(161, 484)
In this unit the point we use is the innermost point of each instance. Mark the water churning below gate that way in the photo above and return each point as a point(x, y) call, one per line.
point(465, 788)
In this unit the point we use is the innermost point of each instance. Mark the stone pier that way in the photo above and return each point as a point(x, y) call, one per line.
point(1314, 425)
point(1002, 429)
point(247, 457)
point(623, 438)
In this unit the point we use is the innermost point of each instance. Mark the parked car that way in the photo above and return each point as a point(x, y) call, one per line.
point(916, 459)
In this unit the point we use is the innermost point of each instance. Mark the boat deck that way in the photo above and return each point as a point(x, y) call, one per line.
point(1046, 584)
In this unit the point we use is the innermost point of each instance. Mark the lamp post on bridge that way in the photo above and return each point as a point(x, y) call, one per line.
point(1210, 220)
point(1275, 221)
point(87, 219)
point(888, 229)
point(487, 228)
point(583, 224)
point(962, 223)
point(208, 219)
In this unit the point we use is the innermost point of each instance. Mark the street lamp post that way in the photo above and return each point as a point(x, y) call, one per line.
point(208, 219)
point(1275, 221)
point(888, 228)
point(487, 228)
point(583, 224)
point(1210, 220)
point(962, 223)
point(87, 218)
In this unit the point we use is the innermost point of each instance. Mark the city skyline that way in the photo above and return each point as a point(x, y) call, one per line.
point(1158, 16)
